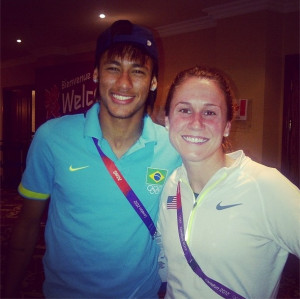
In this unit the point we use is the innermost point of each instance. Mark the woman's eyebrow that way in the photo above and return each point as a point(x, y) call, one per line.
point(182, 103)
point(212, 105)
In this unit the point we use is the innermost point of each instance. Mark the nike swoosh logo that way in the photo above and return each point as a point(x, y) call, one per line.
point(78, 168)
point(219, 207)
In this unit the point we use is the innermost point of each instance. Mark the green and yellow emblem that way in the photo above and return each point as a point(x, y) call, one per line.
point(156, 176)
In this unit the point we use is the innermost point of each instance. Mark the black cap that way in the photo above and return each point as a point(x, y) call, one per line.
point(123, 31)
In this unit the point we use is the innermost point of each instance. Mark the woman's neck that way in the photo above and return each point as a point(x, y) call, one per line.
point(199, 173)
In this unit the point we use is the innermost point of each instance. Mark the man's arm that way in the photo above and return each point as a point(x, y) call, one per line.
point(22, 244)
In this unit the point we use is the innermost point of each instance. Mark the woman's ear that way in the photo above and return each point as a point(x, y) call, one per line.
point(167, 124)
point(96, 75)
point(227, 129)
point(153, 84)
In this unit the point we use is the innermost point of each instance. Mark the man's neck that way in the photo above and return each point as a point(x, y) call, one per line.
point(121, 134)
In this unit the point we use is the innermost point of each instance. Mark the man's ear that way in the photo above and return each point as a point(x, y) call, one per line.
point(153, 84)
point(167, 124)
point(96, 75)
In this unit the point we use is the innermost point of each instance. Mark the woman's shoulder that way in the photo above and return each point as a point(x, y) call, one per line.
point(269, 179)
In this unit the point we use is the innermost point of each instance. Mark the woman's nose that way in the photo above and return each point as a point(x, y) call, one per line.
point(196, 121)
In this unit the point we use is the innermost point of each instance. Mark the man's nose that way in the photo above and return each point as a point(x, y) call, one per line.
point(125, 81)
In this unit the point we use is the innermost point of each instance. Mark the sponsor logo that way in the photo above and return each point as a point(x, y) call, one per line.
point(154, 189)
point(117, 175)
point(219, 207)
point(71, 168)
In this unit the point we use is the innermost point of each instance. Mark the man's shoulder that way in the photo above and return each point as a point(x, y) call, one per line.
point(61, 126)
point(158, 129)
point(65, 120)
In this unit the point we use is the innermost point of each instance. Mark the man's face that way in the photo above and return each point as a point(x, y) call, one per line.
point(124, 85)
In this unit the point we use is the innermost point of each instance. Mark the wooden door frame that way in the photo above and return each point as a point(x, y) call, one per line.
point(16, 133)
point(290, 154)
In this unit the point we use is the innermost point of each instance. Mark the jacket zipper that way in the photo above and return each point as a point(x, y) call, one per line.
point(198, 200)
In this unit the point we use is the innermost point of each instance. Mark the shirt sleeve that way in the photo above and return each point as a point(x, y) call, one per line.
point(282, 210)
point(37, 178)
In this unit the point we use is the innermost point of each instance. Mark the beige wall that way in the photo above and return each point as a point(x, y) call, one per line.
point(250, 48)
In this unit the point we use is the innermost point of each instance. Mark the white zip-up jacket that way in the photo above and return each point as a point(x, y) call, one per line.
point(239, 229)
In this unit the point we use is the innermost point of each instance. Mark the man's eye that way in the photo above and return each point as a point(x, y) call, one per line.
point(139, 72)
point(112, 69)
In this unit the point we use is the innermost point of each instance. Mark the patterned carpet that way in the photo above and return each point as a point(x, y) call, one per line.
point(32, 284)
point(11, 204)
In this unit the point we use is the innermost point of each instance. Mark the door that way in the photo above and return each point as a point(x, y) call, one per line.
point(17, 125)
point(290, 161)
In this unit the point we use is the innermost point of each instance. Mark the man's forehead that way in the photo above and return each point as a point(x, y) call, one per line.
point(126, 58)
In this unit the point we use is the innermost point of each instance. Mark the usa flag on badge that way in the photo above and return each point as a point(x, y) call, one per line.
point(171, 202)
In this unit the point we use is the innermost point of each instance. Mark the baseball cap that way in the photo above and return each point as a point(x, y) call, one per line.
point(123, 31)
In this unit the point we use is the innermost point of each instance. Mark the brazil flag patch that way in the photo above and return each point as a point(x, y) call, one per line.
point(156, 176)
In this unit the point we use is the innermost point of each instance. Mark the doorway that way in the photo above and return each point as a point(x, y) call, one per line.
point(290, 156)
point(17, 133)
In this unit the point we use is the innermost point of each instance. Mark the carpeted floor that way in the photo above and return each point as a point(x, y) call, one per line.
point(11, 204)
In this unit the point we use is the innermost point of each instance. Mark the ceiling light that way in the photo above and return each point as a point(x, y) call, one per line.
point(19, 40)
point(102, 16)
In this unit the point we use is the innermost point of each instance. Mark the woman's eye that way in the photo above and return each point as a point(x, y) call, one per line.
point(184, 110)
point(208, 112)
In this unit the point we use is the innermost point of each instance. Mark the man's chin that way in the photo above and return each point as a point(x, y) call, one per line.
point(125, 114)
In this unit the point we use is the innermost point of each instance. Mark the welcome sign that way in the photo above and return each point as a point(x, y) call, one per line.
point(65, 89)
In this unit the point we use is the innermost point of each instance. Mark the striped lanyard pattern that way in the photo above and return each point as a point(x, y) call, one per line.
point(126, 190)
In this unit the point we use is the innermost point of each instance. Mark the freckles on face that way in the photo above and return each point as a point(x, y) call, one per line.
point(197, 119)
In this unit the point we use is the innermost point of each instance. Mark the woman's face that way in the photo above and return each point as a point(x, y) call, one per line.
point(197, 120)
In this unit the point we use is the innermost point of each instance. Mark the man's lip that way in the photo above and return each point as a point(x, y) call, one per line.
point(194, 139)
point(122, 98)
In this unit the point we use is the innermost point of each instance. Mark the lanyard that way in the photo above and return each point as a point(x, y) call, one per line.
point(214, 285)
point(127, 191)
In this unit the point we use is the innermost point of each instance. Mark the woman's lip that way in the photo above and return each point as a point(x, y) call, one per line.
point(194, 139)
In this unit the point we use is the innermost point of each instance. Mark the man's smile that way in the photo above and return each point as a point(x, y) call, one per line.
point(122, 97)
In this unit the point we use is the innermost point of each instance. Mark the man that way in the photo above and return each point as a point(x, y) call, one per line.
point(99, 241)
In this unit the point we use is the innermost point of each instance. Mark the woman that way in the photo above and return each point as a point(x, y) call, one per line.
point(227, 223)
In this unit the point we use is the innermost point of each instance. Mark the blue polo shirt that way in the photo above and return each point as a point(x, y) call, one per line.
point(96, 244)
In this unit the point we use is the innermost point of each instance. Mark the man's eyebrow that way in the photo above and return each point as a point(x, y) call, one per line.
point(110, 61)
point(116, 62)
point(136, 64)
